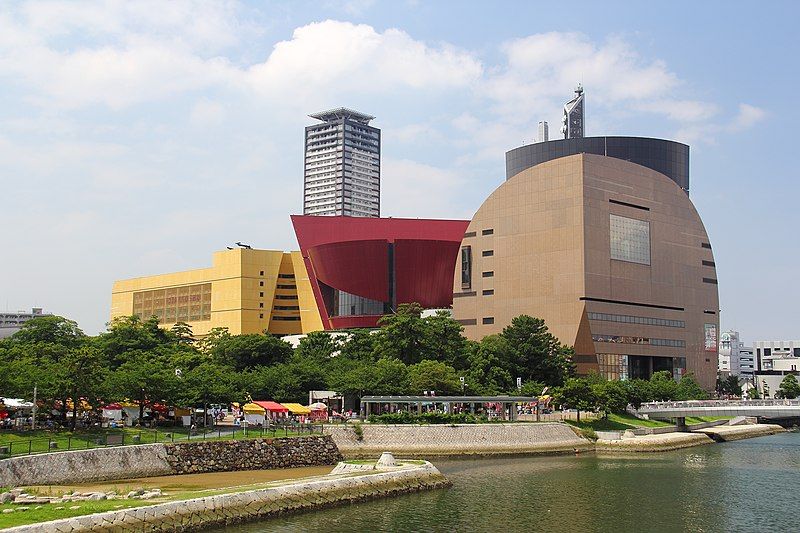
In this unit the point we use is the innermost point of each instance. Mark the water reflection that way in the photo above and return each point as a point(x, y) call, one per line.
point(742, 486)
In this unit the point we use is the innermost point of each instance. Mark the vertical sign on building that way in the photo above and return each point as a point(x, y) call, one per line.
point(710, 338)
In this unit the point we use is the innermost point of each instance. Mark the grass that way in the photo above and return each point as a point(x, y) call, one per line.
point(47, 512)
point(39, 441)
point(623, 421)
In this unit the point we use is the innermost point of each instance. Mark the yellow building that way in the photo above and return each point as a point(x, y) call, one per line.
point(245, 290)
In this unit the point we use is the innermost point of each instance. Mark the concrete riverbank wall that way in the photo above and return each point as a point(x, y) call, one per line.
point(412, 440)
point(147, 460)
point(229, 509)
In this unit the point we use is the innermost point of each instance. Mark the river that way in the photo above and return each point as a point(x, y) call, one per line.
point(750, 486)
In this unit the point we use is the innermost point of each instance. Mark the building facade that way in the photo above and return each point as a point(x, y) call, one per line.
point(544, 132)
point(342, 172)
point(363, 268)
point(245, 290)
point(11, 323)
point(611, 254)
point(734, 357)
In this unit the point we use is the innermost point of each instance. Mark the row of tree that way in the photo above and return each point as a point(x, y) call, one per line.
point(137, 360)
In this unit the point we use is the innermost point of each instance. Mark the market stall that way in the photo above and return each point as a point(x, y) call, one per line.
point(319, 412)
point(297, 411)
point(254, 414)
point(274, 410)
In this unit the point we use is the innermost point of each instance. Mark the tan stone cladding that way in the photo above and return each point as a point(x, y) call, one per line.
point(147, 460)
point(410, 440)
point(541, 245)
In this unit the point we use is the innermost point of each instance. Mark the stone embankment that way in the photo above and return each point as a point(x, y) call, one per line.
point(673, 441)
point(125, 462)
point(731, 433)
point(411, 440)
point(229, 509)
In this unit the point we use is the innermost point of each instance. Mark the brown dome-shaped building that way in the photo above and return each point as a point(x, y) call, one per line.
point(611, 254)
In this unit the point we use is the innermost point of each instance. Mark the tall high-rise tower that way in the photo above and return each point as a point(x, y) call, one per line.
point(342, 165)
point(544, 132)
point(572, 123)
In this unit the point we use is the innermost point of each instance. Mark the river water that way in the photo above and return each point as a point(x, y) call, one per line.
point(750, 486)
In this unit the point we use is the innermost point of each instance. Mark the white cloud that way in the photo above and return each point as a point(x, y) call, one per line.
point(747, 117)
point(412, 189)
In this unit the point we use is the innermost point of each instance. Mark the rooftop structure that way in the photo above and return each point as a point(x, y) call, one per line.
point(11, 323)
point(572, 125)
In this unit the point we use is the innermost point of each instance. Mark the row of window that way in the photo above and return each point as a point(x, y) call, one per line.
point(644, 320)
point(627, 339)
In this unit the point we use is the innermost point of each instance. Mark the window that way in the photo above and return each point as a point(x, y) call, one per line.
point(488, 292)
point(767, 352)
point(488, 274)
point(631, 339)
point(710, 280)
point(261, 305)
point(287, 286)
point(705, 245)
point(630, 240)
point(261, 273)
point(487, 253)
point(178, 304)
point(466, 267)
point(488, 320)
point(487, 232)
point(647, 321)
point(626, 204)
point(285, 297)
point(469, 234)
point(261, 294)
point(287, 318)
point(286, 276)
point(261, 315)
point(286, 308)
point(709, 263)
point(260, 283)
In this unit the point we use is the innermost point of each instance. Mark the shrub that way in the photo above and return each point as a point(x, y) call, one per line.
point(359, 431)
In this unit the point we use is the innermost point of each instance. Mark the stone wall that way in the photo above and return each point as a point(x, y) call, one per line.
point(228, 509)
point(412, 440)
point(251, 454)
point(147, 460)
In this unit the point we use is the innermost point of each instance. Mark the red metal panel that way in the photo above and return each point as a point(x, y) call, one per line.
point(424, 272)
point(357, 267)
point(350, 254)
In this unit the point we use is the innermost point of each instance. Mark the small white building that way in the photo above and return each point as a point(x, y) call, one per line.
point(734, 357)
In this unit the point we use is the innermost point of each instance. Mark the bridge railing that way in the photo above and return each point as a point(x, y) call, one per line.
point(718, 403)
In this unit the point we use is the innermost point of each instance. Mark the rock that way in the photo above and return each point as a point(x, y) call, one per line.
point(6, 511)
point(386, 459)
point(97, 496)
point(17, 492)
point(22, 508)
point(72, 508)
point(6, 497)
point(629, 434)
point(132, 494)
point(59, 508)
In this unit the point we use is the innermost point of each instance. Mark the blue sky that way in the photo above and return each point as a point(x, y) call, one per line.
point(138, 137)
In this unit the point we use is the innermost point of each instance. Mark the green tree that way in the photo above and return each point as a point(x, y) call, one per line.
point(730, 385)
point(208, 383)
point(662, 387)
point(402, 335)
point(433, 376)
point(612, 396)
point(444, 340)
point(789, 389)
point(534, 354)
point(81, 375)
point(249, 351)
point(129, 336)
point(182, 332)
point(752, 394)
point(319, 345)
point(487, 370)
point(358, 346)
point(638, 391)
point(576, 393)
point(145, 377)
point(689, 389)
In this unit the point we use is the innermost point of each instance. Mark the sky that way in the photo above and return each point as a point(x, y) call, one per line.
point(137, 138)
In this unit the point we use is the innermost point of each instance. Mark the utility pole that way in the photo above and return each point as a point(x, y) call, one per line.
point(33, 423)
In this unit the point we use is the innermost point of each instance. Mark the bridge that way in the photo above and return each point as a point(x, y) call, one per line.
point(755, 408)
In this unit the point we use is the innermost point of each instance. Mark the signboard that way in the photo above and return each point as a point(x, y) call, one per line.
point(710, 338)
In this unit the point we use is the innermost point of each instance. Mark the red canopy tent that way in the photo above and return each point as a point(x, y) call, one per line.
point(274, 409)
